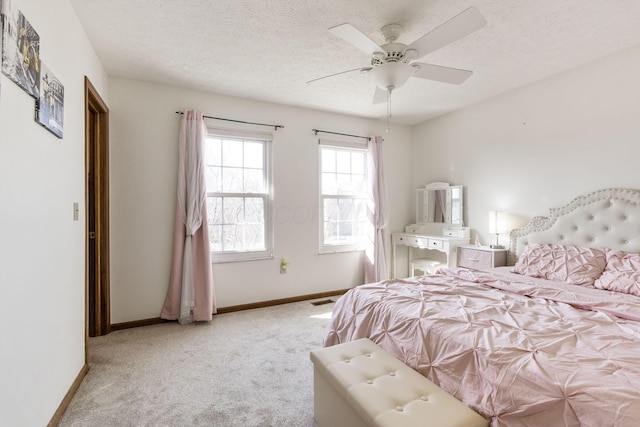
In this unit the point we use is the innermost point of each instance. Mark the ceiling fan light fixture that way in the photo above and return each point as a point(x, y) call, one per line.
point(392, 74)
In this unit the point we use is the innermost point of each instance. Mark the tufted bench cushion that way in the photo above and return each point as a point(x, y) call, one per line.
point(359, 384)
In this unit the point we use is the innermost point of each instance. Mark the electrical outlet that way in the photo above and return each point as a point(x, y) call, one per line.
point(284, 264)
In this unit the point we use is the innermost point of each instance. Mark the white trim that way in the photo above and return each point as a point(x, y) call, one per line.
point(338, 249)
point(223, 258)
point(332, 249)
point(343, 144)
point(238, 134)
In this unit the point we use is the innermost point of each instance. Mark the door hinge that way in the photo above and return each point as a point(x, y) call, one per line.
point(92, 234)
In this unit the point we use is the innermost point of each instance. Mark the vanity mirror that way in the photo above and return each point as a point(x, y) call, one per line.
point(439, 202)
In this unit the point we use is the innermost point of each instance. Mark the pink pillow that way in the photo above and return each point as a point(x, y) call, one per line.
point(570, 264)
point(622, 273)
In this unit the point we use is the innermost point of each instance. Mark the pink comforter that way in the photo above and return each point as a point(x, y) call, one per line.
point(520, 351)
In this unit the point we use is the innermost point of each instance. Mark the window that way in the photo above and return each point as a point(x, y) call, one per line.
point(342, 198)
point(238, 197)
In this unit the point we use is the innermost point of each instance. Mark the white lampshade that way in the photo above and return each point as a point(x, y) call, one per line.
point(498, 222)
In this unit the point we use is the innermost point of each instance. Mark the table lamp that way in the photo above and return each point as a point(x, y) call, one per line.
point(497, 226)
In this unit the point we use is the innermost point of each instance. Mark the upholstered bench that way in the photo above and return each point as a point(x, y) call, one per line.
point(359, 384)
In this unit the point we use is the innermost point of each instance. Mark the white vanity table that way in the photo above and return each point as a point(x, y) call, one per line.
point(438, 227)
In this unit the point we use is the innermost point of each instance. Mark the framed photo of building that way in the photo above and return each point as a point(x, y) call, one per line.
point(20, 49)
point(50, 105)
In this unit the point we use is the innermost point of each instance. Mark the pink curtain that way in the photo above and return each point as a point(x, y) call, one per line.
point(375, 268)
point(190, 296)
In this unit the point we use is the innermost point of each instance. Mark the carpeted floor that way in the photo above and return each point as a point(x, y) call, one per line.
point(248, 368)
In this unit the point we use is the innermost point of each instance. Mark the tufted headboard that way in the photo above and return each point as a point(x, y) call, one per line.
point(603, 219)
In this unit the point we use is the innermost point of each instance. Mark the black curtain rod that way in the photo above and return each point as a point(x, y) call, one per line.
point(343, 134)
point(239, 121)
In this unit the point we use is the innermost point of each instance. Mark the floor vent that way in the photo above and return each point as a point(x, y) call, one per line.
point(322, 302)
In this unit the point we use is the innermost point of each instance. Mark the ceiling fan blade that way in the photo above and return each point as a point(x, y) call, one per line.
point(361, 69)
point(441, 74)
point(464, 23)
point(379, 96)
point(356, 38)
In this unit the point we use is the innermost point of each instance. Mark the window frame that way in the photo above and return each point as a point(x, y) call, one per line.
point(218, 257)
point(337, 248)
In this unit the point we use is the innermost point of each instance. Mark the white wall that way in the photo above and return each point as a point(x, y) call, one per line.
point(42, 282)
point(144, 132)
point(540, 146)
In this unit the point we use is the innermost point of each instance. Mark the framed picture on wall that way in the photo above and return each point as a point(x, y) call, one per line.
point(20, 49)
point(50, 104)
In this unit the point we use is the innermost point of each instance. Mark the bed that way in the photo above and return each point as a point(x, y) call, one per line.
point(553, 340)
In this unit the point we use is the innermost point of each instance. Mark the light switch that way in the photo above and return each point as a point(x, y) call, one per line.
point(76, 211)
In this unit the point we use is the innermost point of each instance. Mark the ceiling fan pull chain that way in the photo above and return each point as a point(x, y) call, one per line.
point(388, 107)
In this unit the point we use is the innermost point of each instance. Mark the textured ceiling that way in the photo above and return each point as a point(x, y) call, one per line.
point(268, 50)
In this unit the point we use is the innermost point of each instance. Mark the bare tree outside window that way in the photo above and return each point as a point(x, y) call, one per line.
point(343, 202)
point(238, 197)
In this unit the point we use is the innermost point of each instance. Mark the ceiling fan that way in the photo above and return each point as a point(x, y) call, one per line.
point(391, 63)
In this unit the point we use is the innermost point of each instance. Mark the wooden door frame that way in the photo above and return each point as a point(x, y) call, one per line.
point(97, 133)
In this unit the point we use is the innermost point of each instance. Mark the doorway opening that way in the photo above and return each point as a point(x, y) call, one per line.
point(98, 319)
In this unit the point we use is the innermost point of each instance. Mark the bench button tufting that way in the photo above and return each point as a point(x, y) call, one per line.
point(403, 380)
